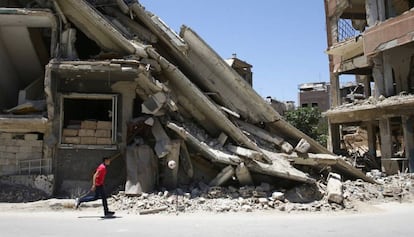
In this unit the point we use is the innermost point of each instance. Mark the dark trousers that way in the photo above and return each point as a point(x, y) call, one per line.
point(99, 193)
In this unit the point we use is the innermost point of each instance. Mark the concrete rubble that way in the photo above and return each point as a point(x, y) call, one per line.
point(183, 121)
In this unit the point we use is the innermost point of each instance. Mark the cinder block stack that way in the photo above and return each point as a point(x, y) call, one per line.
point(89, 133)
point(16, 147)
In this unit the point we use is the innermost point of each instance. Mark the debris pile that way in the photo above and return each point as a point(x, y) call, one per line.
point(20, 194)
point(203, 198)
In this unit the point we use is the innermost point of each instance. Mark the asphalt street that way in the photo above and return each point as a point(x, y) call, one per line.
point(387, 220)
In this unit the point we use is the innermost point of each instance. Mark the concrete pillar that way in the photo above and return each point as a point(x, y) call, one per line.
point(367, 86)
point(375, 11)
point(378, 74)
point(334, 90)
point(127, 91)
point(388, 76)
point(372, 139)
point(408, 128)
point(334, 138)
point(388, 166)
point(170, 174)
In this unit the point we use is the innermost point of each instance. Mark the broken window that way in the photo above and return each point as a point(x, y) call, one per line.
point(88, 120)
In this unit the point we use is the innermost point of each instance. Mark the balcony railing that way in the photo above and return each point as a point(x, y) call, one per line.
point(346, 30)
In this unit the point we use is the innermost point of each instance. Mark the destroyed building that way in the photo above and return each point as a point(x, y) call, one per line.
point(372, 40)
point(88, 79)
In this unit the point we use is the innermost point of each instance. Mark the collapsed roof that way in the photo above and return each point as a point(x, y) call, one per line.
point(181, 78)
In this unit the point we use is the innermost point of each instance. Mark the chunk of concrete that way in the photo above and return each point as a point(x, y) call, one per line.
point(303, 146)
point(154, 104)
point(222, 139)
point(335, 188)
point(243, 175)
point(142, 170)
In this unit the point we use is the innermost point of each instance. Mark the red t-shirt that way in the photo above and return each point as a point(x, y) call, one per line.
point(100, 177)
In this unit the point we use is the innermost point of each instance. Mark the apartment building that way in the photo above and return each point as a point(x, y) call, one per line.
point(373, 40)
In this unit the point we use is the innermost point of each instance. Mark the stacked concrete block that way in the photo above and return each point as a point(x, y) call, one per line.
point(15, 148)
point(89, 133)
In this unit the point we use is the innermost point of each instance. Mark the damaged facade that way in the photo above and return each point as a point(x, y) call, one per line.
point(373, 40)
point(105, 78)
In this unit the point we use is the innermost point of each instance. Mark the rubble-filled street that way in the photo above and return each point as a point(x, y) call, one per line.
point(358, 196)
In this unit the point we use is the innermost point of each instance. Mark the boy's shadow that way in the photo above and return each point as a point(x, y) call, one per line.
point(99, 217)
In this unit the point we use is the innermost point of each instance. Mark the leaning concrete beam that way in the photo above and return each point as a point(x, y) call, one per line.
point(203, 148)
point(140, 31)
point(265, 135)
point(279, 167)
point(223, 176)
point(163, 142)
point(335, 162)
point(98, 28)
point(159, 28)
point(191, 97)
point(241, 151)
point(212, 72)
point(273, 170)
point(209, 70)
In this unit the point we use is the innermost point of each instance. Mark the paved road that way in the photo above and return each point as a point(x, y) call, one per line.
point(389, 220)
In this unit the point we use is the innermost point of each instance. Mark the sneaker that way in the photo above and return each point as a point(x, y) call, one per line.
point(77, 203)
point(109, 213)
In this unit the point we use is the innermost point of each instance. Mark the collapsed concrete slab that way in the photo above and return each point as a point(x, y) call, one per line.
point(118, 76)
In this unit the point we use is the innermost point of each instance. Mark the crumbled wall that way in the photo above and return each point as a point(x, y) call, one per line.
point(40, 182)
point(15, 151)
